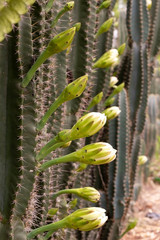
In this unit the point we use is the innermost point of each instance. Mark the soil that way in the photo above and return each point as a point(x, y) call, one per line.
point(147, 210)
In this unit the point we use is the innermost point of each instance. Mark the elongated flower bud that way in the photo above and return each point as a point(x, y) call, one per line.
point(58, 44)
point(87, 193)
point(121, 49)
point(88, 125)
point(149, 4)
point(105, 4)
point(142, 160)
point(86, 219)
point(112, 112)
point(61, 41)
point(95, 100)
point(75, 88)
point(107, 59)
point(113, 81)
point(96, 153)
point(105, 26)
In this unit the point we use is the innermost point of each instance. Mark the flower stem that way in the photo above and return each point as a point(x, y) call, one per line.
point(65, 191)
point(67, 158)
point(40, 60)
point(51, 110)
point(50, 227)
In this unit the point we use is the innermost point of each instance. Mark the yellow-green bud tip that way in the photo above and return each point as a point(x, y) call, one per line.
point(69, 6)
point(121, 49)
point(142, 160)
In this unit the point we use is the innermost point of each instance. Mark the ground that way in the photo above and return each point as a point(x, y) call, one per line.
point(148, 203)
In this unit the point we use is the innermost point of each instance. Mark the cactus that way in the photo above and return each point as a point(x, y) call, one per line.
point(39, 61)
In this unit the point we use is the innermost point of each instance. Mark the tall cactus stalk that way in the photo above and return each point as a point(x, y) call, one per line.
point(50, 31)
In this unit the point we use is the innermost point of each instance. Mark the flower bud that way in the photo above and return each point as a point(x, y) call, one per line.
point(95, 100)
point(105, 4)
point(149, 4)
point(88, 125)
point(75, 88)
point(61, 41)
point(112, 112)
point(105, 27)
point(142, 160)
point(89, 194)
point(113, 81)
point(69, 6)
point(121, 49)
point(107, 59)
point(96, 153)
point(86, 219)
point(78, 26)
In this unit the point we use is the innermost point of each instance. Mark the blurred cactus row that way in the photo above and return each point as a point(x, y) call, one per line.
point(75, 79)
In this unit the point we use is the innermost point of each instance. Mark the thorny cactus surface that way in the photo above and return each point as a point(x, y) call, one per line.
point(26, 199)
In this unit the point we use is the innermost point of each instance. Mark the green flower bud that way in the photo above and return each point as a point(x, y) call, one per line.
point(61, 41)
point(96, 153)
point(78, 26)
point(86, 219)
point(142, 160)
point(112, 112)
point(105, 4)
point(72, 91)
point(121, 49)
point(89, 194)
point(105, 26)
point(107, 59)
point(113, 81)
point(52, 212)
point(118, 89)
point(149, 4)
point(75, 88)
point(69, 6)
point(88, 125)
point(95, 100)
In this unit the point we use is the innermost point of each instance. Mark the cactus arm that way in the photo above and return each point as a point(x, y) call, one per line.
point(9, 113)
point(122, 175)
